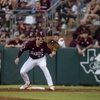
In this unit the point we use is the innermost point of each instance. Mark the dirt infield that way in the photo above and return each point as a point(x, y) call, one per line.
point(46, 90)
point(2, 98)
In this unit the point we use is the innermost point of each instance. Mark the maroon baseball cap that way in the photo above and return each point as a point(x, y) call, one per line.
point(20, 18)
point(40, 34)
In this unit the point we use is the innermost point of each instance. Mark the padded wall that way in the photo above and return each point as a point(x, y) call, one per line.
point(10, 72)
point(68, 66)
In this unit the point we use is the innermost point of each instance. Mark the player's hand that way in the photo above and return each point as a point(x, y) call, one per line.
point(80, 51)
point(16, 61)
point(84, 50)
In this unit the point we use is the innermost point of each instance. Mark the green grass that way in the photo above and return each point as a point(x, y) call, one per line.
point(53, 95)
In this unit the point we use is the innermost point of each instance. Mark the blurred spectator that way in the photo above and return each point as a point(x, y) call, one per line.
point(32, 33)
point(8, 14)
point(31, 37)
point(45, 4)
point(93, 10)
point(11, 3)
point(16, 42)
point(82, 4)
point(3, 4)
point(38, 11)
point(7, 6)
point(20, 26)
point(2, 20)
point(82, 27)
point(72, 15)
point(38, 27)
point(30, 4)
point(61, 11)
point(53, 27)
point(63, 27)
point(1, 27)
point(49, 29)
point(67, 11)
point(84, 43)
point(74, 41)
point(22, 8)
point(26, 31)
point(57, 27)
point(61, 41)
point(4, 36)
point(96, 37)
point(14, 4)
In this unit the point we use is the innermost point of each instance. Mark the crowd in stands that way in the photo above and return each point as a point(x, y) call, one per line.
point(31, 18)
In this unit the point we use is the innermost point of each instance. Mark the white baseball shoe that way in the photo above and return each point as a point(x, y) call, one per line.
point(51, 88)
point(25, 86)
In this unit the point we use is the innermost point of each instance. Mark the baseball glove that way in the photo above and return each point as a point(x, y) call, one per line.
point(53, 45)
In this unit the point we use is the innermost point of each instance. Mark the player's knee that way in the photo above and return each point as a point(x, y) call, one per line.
point(22, 72)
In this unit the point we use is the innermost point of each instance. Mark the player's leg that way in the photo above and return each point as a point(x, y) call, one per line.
point(42, 64)
point(27, 66)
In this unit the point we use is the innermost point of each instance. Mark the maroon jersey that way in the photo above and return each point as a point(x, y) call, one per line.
point(81, 30)
point(20, 29)
point(73, 43)
point(84, 43)
point(27, 31)
point(15, 43)
point(34, 51)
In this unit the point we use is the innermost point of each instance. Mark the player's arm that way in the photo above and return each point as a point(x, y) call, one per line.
point(79, 49)
point(19, 54)
point(16, 61)
point(24, 48)
point(89, 46)
point(9, 44)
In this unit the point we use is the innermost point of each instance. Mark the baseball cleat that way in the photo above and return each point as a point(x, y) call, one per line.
point(24, 86)
point(52, 88)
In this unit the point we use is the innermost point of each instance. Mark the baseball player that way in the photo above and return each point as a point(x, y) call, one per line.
point(37, 50)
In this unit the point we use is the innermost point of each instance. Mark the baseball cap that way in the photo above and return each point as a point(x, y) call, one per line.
point(31, 35)
point(22, 1)
point(40, 34)
point(20, 18)
point(55, 34)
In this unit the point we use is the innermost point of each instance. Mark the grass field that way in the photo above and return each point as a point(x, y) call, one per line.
point(61, 93)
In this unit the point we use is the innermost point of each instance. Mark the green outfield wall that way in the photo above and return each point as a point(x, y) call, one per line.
point(66, 68)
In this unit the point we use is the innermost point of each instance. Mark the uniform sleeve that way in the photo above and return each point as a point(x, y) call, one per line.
point(91, 40)
point(24, 48)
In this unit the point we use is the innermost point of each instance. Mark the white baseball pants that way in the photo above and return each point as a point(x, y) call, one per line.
point(30, 64)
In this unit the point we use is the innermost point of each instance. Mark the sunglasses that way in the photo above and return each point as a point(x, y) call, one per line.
point(40, 39)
